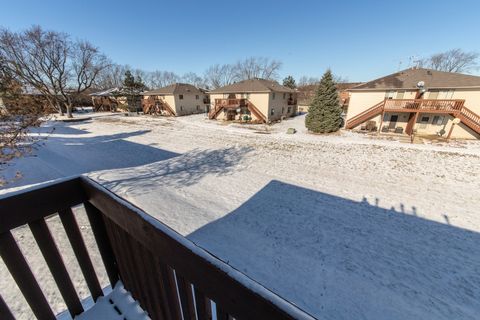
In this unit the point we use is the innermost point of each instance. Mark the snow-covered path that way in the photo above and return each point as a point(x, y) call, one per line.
point(343, 226)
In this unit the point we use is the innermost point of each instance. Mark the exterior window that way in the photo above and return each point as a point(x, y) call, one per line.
point(198, 107)
point(197, 97)
point(180, 96)
point(437, 120)
point(273, 96)
point(389, 94)
point(433, 94)
point(289, 109)
point(424, 122)
point(283, 110)
point(272, 112)
point(284, 95)
point(181, 108)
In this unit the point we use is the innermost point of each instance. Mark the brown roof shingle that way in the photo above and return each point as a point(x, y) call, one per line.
point(176, 88)
point(409, 78)
point(253, 85)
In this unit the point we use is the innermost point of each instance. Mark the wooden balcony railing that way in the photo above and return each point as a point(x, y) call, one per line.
point(424, 105)
point(230, 102)
point(167, 274)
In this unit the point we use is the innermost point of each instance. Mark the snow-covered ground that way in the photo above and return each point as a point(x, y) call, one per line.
point(345, 225)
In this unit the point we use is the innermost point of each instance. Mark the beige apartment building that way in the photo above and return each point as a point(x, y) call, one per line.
point(258, 100)
point(418, 101)
point(178, 99)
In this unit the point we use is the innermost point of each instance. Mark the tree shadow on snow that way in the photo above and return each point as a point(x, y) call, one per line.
point(342, 259)
point(181, 171)
point(65, 156)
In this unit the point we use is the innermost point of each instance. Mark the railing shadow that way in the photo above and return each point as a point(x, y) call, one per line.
point(341, 259)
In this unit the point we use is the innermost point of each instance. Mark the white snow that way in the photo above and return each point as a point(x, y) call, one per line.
point(344, 226)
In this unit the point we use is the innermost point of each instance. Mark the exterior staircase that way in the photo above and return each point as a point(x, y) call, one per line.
point(452, 107)
point(469, 118)
point(365, 115)
point(220, 104)
point(155, 106)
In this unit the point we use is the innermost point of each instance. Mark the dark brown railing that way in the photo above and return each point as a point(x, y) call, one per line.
point(167, 274)
point(424, 105)
point(292, 102)
point(230, 102)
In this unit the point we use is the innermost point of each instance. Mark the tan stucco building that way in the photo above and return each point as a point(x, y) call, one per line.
point(178, 99)
point(259, 100)
point(420, 101)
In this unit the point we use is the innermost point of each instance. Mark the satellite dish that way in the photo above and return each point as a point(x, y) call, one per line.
point(421, 84)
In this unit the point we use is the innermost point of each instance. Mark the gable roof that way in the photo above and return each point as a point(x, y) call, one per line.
point(408, 79)
point(106, 93)
point(253, 85)
point(176, 88)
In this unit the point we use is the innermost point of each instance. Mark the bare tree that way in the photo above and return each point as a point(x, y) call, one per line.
point(52, 64)
point(193, 79)
point(86, 64)
point(455, 60)
point(305, 81)
point(257, 67)
point(220, 75)
point(18, 113)
point(159, 79)
point(111, 76)
point(38, 58)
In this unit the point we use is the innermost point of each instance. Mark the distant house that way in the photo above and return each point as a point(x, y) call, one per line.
point(178, 99)
point(421, 101)
point(307, 92)
point(257, 99)
point(116, 98)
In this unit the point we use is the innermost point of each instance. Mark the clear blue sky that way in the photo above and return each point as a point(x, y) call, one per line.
point(359, 40)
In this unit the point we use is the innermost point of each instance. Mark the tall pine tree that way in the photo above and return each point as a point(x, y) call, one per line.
point(289, 82)
point(325, 113)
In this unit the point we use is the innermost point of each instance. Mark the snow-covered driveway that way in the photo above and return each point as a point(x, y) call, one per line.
point(344, 226)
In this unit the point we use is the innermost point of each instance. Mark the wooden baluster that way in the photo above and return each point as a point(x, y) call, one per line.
point(222, 314)
point(186, 298)
point(80, 250)
point(5, 311)
point(204, 305)
point(54, 260)
point(98, 228)
point(23, 276)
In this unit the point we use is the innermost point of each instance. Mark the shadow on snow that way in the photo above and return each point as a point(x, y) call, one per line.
point(343, 259)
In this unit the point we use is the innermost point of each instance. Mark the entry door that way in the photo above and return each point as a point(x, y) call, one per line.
point(393, 122)
point(400, 95)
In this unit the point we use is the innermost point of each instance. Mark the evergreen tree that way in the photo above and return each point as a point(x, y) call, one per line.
point(129, 80)
point(289, 82)
point(325, 113)
point(131, 89)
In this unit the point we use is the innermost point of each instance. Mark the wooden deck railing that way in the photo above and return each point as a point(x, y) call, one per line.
point(424, 105)
point(292, 102)
point(230, 102)
point(167, 274)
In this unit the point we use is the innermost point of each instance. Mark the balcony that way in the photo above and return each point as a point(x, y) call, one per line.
point(423, 105)
point(292, 102)
point(231, 103)
point(169, 276)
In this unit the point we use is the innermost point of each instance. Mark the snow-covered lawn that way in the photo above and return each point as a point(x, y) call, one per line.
point(346, 226)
